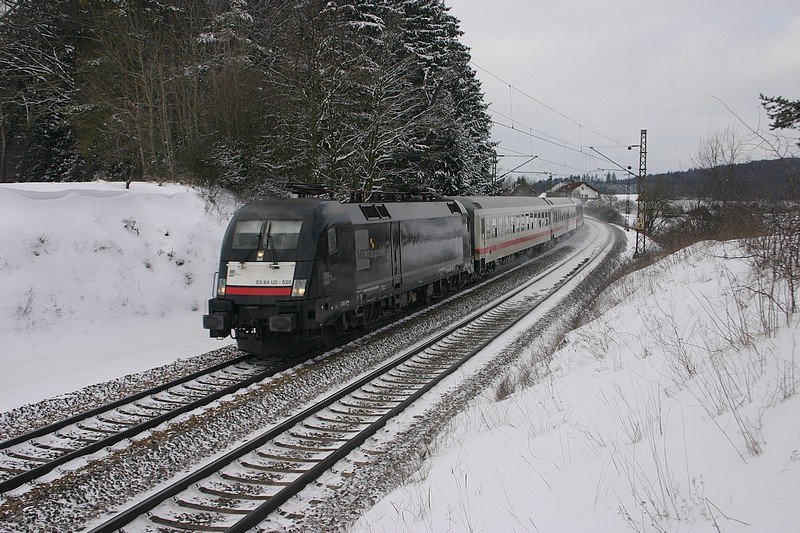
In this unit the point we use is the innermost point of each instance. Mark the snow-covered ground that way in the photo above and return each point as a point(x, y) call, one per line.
point(675, 409)
point(98, 281)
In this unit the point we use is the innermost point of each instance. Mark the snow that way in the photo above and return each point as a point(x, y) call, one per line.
point(674, 409)
point(98, 281)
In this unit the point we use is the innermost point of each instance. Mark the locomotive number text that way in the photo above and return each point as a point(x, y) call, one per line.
point(274, 282)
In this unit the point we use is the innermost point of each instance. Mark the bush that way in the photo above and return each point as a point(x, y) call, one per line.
point(608, 209)
point(713, 221)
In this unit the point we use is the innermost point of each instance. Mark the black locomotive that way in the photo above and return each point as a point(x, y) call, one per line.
point(297, 273)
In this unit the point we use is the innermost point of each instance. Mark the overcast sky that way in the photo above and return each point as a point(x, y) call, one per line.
point(619, 67)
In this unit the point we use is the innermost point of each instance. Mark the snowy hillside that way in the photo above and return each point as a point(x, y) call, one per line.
point(98, 281)
point(675, 409)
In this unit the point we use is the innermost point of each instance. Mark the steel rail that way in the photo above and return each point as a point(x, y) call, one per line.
point(106, 407)
point(38, 471)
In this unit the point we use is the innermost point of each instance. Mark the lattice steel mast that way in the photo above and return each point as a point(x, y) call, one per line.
point(641, 210)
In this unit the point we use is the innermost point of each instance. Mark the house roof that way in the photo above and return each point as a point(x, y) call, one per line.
point(571, 186)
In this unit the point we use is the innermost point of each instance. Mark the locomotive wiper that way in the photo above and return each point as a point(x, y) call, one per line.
point(272, 248)
point(256, 243)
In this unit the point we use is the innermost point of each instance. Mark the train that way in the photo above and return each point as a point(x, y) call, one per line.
point(300, 273)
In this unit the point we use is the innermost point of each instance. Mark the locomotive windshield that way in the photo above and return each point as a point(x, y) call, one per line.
point(280, 234)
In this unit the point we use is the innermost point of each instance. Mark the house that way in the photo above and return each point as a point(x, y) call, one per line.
point(522, 188)
point(575, 189)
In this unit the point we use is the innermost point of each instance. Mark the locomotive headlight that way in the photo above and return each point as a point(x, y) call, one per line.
point(299, 288)
point(220, 287)
point(260, 255)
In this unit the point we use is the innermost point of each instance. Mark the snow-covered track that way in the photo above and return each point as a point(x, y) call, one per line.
point(27, 457)
point(240, 489)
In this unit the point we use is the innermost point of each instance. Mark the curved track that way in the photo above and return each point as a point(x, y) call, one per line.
point(240, 489)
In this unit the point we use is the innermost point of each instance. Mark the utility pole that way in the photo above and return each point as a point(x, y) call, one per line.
point(641, 213)
point(627, 204)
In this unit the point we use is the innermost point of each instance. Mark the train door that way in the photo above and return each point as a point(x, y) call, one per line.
point(338, 266)
point(397, 271)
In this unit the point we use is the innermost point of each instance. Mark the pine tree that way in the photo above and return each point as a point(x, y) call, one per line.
point(783, 113)
point(448, 148)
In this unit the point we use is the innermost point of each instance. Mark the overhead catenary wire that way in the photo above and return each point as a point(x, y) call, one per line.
point(539, 158)
point(614, 162)
point(523, 132)
point(531, 128)
point(555, 141)
point(556, 111)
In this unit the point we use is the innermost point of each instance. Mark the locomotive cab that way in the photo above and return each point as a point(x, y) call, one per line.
point(275, 274)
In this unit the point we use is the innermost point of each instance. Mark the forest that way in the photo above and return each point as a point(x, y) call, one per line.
point(767, 179)
point(356, 95)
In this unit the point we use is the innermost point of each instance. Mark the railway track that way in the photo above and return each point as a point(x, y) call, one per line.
point(239, 490)
point(27, 457)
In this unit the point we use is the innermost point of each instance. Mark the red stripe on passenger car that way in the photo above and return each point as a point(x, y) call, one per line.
point(258, 291)
point(506, 244)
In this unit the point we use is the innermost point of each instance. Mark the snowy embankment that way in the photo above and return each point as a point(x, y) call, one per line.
point(676, 408)
point(98, 281)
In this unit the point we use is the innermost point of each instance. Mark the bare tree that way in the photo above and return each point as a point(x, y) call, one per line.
point(37, 86)
point(655, 209)
point(717, 157)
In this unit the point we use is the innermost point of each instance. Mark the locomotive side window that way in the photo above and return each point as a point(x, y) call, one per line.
point(331, 240)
